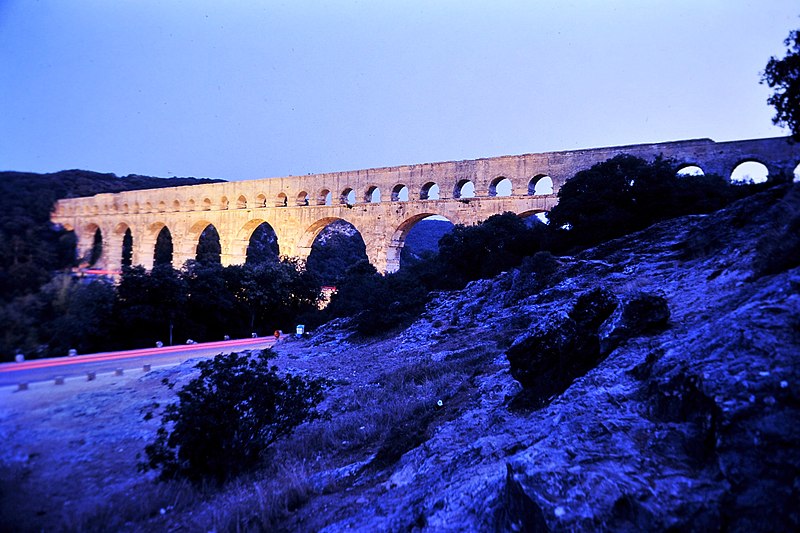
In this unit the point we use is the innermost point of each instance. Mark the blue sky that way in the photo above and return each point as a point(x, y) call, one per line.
point(243, 90)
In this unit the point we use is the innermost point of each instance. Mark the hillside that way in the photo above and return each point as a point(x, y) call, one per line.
point(692, 423)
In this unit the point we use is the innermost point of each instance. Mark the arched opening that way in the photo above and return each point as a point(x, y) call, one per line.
point(540, 185)
point(690, 170)
point(417, 239)
point(749, 172)
point(127, 249)
point(162, 206)
point(302, 198)
point(282, 200)
point(223, 203)
point(135, 208)
point(325, 197)
point(263, 245)
point(162, 254)
point(123, 231)
point(206, 204)
point(464, 189)
point(209, 250)
point(348, 197)
point(500, 186)
point(400, 193)
point(429, 191)
point(148, 207)
point(336, 246)
point(241, 202)
point(96, 251)
point(796, 178)
point(176, 205)
point(531, 216)
point(373, 195)
point(261, 200)
point(190, 205)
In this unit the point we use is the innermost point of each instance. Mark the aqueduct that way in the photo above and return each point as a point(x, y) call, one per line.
point(382, 203)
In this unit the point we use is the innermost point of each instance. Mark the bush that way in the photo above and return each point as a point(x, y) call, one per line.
point(227, 417)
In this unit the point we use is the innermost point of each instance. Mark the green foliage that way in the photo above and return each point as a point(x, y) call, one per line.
point(783, 75)
point(228, 416)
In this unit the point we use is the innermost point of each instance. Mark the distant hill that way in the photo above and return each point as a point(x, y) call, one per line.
point(30, 248)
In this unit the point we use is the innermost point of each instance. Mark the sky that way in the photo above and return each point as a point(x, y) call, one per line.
point(253, 89)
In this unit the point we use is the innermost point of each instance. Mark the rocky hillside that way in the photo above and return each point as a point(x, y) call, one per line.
point(657, 387)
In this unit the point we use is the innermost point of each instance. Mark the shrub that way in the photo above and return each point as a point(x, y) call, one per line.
point(227, 417)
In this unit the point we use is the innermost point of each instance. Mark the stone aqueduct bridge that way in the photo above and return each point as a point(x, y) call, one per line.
point(299, 207)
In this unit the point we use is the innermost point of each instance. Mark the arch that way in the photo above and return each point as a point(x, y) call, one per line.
point(163, 249)
point(302, 198)
point(223, 203)
point(333, 245)
point(540, 185)
point(148, 207)
point(95, 251)
point(125, 208)
point(162, 206)
point(500, 186)
point(324, 197)
point(690, 169)
point(749, 171)
point(348, 196)
point(124, 233)
point(282, 200)
point(261, 200)
point(208, 250)
point(206, 204)
point(400, 193)
point(539, 214)
point(190, 205)
point(262, 245)
point(241, 202)
point(398, 254)
point(464, 189)
point(373, 195)
point(429, 191)
point(135, 208)
point(176, 205)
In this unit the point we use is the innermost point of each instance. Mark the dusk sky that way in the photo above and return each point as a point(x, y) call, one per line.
point(242, 90)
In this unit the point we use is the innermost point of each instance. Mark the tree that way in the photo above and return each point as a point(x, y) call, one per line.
point(783, 75)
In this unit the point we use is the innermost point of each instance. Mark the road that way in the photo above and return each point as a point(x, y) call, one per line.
point(80, 365)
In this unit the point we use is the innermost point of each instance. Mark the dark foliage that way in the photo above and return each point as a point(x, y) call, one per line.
point(31, 248)
point(626, 194)
point(228, 416)
point(337, 248)
point(484, 250)
point(783, 75)
point(263, 247)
